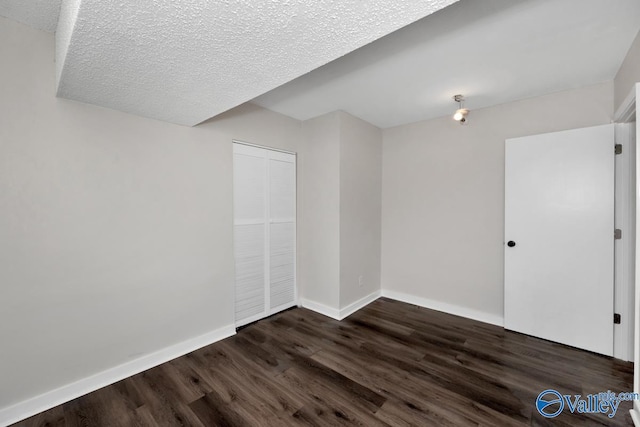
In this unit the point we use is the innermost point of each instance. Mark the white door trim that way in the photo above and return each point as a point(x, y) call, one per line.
point(626, 113)
point(625, 220)
point(625, 247)
point(237, 141)
point(627, 110)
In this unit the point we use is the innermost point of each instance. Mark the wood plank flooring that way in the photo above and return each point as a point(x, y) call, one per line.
point(388, 364)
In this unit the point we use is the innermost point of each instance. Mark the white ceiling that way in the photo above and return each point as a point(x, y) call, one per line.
point(39, 14)
point(186, 61)
point(492, 51)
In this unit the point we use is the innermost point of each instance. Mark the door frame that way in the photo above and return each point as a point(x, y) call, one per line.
point(625, 249)
point(627, 113)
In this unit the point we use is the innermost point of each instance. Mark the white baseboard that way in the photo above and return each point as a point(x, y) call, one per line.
point(342, 313)
point(357, 305)
point(635, 416)
point(333, 313)
point(50, 399)
point(457, 310)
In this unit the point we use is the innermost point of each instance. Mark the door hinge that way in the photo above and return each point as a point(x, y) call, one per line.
point(618, 148)
point(617, 234)
point(616, 318)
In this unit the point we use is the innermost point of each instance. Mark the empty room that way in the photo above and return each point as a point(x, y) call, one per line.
point(272, 213)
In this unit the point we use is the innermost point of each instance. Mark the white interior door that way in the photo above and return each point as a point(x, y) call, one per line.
point(264, 231)
point(282, 233)
point(559, 237)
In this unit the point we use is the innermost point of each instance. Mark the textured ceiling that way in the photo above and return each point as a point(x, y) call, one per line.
point(492, 51)
point(186, 61)
point(40, 14)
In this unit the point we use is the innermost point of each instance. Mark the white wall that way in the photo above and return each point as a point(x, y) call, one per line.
point(116, 231)
point(339, 229)
point(628, 74)
point(443, 197)
point(360, 208)
point(319, 205)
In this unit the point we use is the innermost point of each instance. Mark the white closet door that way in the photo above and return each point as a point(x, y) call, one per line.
point(250, 220)
point(264, 232)
point(282, 218)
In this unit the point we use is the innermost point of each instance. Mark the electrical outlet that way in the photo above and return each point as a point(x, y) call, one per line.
point(360, 281)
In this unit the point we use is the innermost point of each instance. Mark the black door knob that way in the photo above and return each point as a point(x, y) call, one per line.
point(511, 243)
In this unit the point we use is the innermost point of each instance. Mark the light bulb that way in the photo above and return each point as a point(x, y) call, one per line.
point(459, 115)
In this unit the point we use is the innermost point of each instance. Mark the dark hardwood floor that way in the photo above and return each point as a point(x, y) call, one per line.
point(388, 364)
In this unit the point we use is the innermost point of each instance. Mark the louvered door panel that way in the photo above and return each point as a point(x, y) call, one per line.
point(282, 213)
point(249, 177)
point(250, 222)
point(282, 187)
point(282, 264)
point(250, 274)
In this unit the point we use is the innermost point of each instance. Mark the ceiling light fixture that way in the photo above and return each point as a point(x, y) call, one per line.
point(461, 113)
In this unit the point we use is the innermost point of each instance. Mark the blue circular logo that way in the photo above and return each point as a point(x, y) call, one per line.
point(550, 403)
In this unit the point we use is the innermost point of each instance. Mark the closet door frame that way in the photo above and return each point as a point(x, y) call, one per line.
point(268, 311)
